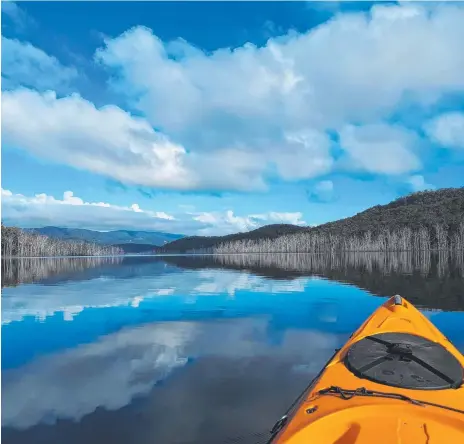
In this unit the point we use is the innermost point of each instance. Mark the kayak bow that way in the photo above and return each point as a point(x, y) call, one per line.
point(398, 379)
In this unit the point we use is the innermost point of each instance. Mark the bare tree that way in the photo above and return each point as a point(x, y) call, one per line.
point(402, 239)
point(21, 243)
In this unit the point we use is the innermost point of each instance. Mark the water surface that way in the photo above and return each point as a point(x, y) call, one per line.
point(190, 349)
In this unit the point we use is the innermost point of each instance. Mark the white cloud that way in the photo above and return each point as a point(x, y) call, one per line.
point(233, 118)
point(228, 222)
point(447, 130)
point(6, 193)
point(418, 183)
point(108, 140)
point(221, 219)
point(25, 65)
point(356, 68)
point(294, 218)
point(382, 149)
point(72, 211)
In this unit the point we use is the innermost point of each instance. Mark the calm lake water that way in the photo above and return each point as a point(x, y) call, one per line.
point(190, 349)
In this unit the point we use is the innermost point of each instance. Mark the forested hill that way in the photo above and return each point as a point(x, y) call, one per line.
point(421, 209)
point(202, 242)
point(427, 219)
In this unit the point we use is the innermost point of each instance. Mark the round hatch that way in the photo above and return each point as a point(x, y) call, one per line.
point(404, 360)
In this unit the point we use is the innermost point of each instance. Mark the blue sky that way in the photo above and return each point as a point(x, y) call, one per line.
point(211, 118)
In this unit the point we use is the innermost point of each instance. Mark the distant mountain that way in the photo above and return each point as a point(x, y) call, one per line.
point(109, 237)
point(438, 214)
point(17, 242)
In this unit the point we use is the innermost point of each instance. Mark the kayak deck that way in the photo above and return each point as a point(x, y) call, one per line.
point(397, 380)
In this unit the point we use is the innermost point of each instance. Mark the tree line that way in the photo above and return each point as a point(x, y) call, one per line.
point(20, 243)
point(438, 237)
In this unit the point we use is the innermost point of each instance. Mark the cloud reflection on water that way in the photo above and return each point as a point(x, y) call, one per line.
point(154, 337)
point(73, 297)
point(112, 371)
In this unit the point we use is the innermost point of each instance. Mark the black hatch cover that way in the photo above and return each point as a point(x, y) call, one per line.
point(404, 360)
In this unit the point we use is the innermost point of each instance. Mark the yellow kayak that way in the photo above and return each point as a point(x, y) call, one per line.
point(398, 379)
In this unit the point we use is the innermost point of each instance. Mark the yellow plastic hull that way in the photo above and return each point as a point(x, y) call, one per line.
point(328, 418)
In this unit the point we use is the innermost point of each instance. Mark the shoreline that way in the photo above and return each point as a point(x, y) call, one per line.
point(448, 250)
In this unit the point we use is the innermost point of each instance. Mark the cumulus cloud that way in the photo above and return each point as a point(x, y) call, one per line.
point(25, 65)
point(73, 212)
point(218, 220)
point(379, 148)
point(232, 119)
point(110, 141)
point(447, 130)
point(354, 68)
point(284, 218)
